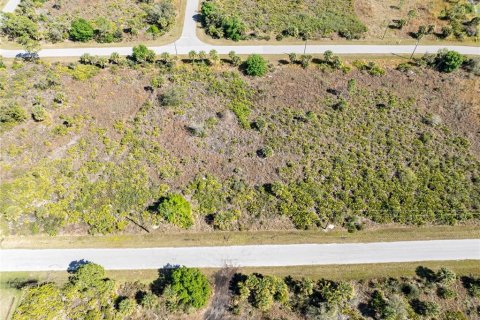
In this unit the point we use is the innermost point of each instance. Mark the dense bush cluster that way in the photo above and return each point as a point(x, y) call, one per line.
point(240, 20)
point(382, 299)
point(109, 21)
point(463, 22)
point(89, 294)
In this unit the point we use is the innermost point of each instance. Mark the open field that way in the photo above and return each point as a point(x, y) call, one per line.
point(240, 150)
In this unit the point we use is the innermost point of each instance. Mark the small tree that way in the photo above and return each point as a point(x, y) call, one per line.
point(202, 55)
point(410, 15)
point(192, 55)
point(38, 113)
point(149, 301)
point(448, 60)
point(213, 56)
point(142, 54)
point(81, 30)
point(114, 58)
point(292, 57)
point(176, 210)
point(126, 307)
point(190, 287)
point(256, 65)
point(234, 58)
point(446, 276)
point(305, 60)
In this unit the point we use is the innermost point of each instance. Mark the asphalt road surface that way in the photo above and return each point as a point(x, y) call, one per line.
point(243, 256)
point(189, 41)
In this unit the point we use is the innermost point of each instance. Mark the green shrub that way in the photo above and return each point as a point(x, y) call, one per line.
point(425, 308)
point(242, 111)
point(172, 97)
point(40, 302)
point(176, 210)
point(141, 54)
point(190, 287)
point(225, 220)
point(127, 306)
point(38, 113)
point(446, 293)
point(18, 26)
point(454, 315)
point(83, 72)
point(81, 30)
point(256, 65)
point(149, 301)
point(448, 60)
point(12, 113)
point(263, 291)
point(445, 276)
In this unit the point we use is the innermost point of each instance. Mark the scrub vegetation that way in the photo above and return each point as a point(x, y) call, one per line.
point(180, 293)
point(370, 20)
point(90, 294)
point(265, 19)
point(129, 145)
point(109, 21)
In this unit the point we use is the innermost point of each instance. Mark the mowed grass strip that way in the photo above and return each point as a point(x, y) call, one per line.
point(182, 239)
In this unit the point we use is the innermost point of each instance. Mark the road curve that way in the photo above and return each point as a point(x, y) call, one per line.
point(189, 41)
point(243, 256)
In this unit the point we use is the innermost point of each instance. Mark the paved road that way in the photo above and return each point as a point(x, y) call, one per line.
point(262, 255)
point(11, 5)
point(189, 41)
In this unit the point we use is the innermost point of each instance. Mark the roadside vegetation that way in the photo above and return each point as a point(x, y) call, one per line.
point(180, 292)
point(268, 19)
point(153, 144)
point(53, 21)
point(369, 20)
point(89, 294)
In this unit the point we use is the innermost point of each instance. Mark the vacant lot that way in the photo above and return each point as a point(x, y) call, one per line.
point(397, 20)
point(110, 21)
point(265, 19)
point(391, 21)
point(86, 149)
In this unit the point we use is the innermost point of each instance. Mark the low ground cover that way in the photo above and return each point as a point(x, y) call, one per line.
point(104, 147)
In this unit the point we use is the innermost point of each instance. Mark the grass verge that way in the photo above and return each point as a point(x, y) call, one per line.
point(181, 239)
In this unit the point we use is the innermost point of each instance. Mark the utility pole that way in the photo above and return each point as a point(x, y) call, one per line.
point(421, 32)
point(386, 29)
point(305, 48)
point(415, 49)
point(175, 45)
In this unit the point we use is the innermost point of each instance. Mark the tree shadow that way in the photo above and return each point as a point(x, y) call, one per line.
point(236, 279)
point(425, 273)
point(20, 283)
point(164, 278)
point(74, 265)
